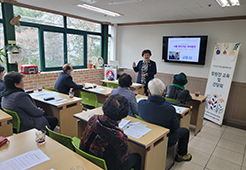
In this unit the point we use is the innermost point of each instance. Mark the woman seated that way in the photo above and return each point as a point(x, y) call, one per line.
point(125, 81)
point(15, 99)
point(177, 90)
point(103, 138)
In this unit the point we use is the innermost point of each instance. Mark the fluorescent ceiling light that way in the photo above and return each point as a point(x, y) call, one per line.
point(223, 3)
point(100, 10)
point(226, 3)
point(235, 3)
point(123, 2)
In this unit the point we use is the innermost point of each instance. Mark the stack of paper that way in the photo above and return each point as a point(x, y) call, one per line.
point(136, 130)
point(123, 123)
point(25, 161)
point(97, 89)
point(179, 109)
point(57, 100)
point(45, 94)
point(136, 84)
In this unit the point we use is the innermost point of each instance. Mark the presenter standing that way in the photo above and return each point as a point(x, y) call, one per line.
point(146, 69)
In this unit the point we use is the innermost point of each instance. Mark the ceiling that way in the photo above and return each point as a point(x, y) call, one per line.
point(143, 11)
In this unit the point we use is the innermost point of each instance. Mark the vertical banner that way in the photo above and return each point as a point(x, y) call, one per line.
point(219, 80)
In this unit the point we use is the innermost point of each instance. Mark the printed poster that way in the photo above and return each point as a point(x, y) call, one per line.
point(110, 72)
point(219, 80)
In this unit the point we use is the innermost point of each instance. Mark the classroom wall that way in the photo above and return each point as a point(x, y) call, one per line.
point(48, 79)
point(132, 40)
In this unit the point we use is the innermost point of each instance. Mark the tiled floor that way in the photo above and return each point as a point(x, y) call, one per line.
point(215, 148)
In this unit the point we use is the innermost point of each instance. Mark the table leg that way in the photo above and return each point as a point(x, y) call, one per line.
point(154, 158)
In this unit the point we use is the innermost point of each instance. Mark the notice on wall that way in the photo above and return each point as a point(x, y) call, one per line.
point(219, 80)
point(110, 72)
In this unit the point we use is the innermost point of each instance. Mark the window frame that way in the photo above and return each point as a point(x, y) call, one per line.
point(42, 28)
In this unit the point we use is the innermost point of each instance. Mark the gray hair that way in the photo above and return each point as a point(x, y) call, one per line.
point(156, 87)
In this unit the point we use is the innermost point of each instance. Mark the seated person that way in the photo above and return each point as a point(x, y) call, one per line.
point(156, 110)
point(1, 81)
point(103, 138)
point(65, 81)
point(125, 81)
point(177, 90)
point(15, 99)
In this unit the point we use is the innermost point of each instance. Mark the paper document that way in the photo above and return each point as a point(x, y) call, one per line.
point(179, 109)
point(45, 94)
point(123, 123)
point(136, 84)
point(25, 161)
point(136, 130)
point(139, 99)
point(56, 100)
point(97, 89)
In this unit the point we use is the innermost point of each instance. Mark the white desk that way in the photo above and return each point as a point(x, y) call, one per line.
point(61, 158)
point(63, 111)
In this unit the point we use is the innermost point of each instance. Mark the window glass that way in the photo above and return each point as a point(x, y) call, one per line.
point(75, 49)
point(93, 46)
point(40, 17)
point(109, 29)
point(109, 49)
point(83, 25)
point(54, 49)
point(27, 39)
point(2, 40)
point(0, 10)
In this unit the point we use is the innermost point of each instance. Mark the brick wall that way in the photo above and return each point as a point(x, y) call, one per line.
point(48, 79)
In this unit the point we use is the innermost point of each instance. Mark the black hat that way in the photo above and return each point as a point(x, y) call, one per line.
point(116, 107)
point(180, 79)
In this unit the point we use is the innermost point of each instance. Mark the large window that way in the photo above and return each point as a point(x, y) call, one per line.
point(27, 39)
point(75, 49)
point(34, 16)
point(54, 49)
point(83, 25)
point(93, 46)
point(48, 42)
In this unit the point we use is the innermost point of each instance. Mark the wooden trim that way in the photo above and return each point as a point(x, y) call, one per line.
point(52, 11)
point(185, 20)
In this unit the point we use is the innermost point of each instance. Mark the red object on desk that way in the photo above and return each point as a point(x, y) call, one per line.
point(3, 140)
point(29, 69)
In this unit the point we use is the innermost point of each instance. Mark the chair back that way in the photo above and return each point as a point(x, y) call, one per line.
point(172, 100)
point(89, 99)
point(138, 117)
point(62, 139)
point(112, 85)
point(98, 161)
point(50, 89)
point(15, 121)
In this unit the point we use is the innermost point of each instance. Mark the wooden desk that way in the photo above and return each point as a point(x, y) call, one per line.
point(152, 147)
point(63, 111)
point(184, 117)
point(102, 95)
point(5, 127)
point(198, 110)
point(139, 88)
point(60, 156)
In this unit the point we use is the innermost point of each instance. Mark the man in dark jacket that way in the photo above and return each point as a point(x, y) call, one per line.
point(156, 110)
point(103, 138)
point(65, 81)
point(177, 90)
